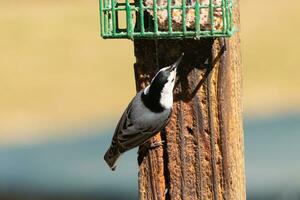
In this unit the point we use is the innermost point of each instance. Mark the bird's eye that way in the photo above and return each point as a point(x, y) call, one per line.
point(172, 80)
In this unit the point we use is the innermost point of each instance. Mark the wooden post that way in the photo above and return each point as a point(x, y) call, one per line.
point(203, 155)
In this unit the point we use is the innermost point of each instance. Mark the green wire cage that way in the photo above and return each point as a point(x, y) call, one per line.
point(154, 19)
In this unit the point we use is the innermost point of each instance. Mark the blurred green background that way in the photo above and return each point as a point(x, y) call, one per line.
point(63, 89)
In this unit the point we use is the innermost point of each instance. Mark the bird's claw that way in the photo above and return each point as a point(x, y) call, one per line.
point(149, 146)
point(157, 144)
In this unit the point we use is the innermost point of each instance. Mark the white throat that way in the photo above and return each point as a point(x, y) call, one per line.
point(166, 97)
point(166, 94)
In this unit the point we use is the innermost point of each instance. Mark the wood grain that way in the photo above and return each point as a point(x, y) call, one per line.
point(203, 154)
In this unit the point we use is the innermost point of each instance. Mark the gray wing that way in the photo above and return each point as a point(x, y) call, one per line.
point(128, 136)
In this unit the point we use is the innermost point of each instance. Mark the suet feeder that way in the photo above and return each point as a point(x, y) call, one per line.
point(169, 19)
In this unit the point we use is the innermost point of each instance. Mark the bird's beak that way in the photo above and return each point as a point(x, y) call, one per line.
point(175, 65)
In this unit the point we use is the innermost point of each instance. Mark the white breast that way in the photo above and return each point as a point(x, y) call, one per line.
point(166, 99)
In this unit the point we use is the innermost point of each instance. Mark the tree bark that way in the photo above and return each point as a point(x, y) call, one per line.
point(203, 152)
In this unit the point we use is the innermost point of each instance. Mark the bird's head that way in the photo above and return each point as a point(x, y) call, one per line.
point(163, 83)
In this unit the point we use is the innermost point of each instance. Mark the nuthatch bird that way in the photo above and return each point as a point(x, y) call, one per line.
point(146, 115)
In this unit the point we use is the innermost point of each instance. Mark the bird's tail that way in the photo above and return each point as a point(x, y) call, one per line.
point(111, 156)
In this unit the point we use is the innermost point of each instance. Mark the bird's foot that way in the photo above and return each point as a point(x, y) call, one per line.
point(156, 144)
point(147, 146)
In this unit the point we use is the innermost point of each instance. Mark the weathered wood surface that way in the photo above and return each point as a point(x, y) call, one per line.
point(203, 155)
